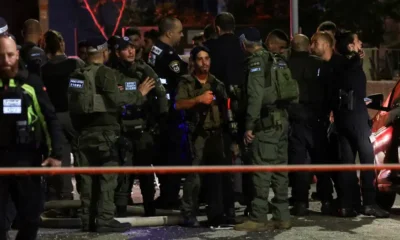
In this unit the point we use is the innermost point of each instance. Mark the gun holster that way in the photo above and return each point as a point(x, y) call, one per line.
point(346, 100)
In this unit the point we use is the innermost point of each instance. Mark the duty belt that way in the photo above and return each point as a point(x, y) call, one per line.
point(273, 119)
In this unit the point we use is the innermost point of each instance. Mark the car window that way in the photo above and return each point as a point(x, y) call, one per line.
point(393, 97)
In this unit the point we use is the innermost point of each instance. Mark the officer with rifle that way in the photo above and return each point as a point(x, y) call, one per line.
point(204, 99)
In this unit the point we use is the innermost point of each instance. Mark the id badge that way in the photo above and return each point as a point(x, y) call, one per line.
point(12, 106)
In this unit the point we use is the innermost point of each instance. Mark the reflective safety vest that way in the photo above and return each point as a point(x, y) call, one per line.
point(21, 119)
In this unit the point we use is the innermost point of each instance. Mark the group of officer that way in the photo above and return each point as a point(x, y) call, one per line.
point(116, 109)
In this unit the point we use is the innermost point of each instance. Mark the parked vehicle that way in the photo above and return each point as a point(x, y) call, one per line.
point(386, 142)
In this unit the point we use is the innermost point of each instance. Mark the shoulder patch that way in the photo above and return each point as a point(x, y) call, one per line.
point(175, 66)
point(76, 83)
point(156, 50)
point(258, 69)
point(255, 64)
point(130, 86)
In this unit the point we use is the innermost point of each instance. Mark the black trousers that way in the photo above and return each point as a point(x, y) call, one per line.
point(25, 193)
point(59, 187)
point(353, 139)
point(308, 144)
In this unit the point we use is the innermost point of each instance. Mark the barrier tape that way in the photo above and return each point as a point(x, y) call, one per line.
point(195, 169)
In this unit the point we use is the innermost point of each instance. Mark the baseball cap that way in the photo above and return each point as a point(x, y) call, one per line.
point(122, 42)
point(96, 44)
point(3, 26)
point(196, 50)
point(251, 34)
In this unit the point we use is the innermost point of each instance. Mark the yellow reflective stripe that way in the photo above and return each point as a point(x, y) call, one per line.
point(1, 83)
point(12, 83)
point(31, 91)
point(32, 117)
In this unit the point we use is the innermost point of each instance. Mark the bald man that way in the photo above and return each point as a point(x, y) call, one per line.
point(309, 121)
point(22, 139)
point(33, 56)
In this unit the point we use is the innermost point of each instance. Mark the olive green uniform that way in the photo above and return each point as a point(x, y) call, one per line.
point(269, 124)
point(141, 129)
point(96, 144)
point(206, 139)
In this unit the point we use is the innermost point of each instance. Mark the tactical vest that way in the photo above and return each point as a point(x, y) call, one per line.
point(132, 116)
point(21, 120)
point(287, 89)
point(83, 97)
point(205, 116)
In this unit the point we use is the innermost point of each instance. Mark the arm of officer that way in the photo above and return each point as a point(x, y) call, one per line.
point(177, 66)
point(159, 89)
point(182, 100)
point(108, 83)
point(47, 109)
point(255, 90)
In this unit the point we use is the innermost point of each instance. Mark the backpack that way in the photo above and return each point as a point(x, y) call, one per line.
point(82, 93)
point(287, 89)
point(20, 118)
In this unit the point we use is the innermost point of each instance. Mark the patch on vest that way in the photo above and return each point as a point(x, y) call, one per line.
point(12, 106)
point(76, 83)
point(255, 70)
point(156, 50)
point(255, 64)
point(130, 86)
point(163, 80)
point(174, 65)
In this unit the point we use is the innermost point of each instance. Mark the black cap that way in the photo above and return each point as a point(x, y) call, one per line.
point(112, 41)
point(97, 44)
point(3, 26)
point(122, 42)
point(251, 34)
point(196, 50)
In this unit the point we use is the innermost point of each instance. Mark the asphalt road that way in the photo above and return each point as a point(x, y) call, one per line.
point(314, 226)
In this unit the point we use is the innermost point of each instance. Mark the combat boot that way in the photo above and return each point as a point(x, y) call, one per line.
point(375, 210)
point(299, 209)
point(251, 226)
point(149, 209)
point(112, 226)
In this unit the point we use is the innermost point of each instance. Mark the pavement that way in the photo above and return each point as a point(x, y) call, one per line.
point(315, 226)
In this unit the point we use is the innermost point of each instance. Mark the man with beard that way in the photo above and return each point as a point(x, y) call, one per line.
point(140, 125)
point(28, 120)
point(203, 97)
point(169, 67)
point(33, 56)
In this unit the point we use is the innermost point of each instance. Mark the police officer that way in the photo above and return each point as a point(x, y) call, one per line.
point(204, 98)
point(135, 36)
point(95, 106)
point(140, 125)
point(33, 56)
point(55, 75)
point(353, 125)
point(169, 67)
point(28, 120)
point(267, 132)
point(309, 123)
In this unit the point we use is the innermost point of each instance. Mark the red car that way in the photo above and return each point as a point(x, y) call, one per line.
point(386, 142)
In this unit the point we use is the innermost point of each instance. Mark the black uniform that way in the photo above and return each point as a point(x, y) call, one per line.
point(353, 126)
point(33, 56)
point(169, 67)
point(22, 150)
point(227, 59)
point(309, 123)
point(55, 75)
